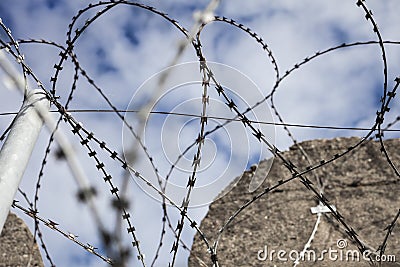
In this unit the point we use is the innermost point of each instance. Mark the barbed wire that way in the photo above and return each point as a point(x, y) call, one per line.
point(97, 148)
point(294, 125)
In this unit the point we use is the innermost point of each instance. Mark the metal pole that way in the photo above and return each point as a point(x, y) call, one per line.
point(18, 147)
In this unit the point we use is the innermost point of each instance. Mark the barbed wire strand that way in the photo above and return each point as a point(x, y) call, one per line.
point(86, 137)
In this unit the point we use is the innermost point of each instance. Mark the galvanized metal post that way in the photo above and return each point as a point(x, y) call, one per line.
point(18, 147)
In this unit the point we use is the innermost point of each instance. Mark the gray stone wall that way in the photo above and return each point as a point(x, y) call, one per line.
point(17, 247)
point(361, 185)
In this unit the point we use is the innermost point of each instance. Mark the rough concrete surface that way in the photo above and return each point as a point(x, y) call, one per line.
point(361, 185)
point(17, 248)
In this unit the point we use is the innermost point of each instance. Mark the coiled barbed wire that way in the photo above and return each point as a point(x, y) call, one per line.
point(96, 146)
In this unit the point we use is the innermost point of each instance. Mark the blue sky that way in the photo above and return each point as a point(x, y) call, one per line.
point(125, 49)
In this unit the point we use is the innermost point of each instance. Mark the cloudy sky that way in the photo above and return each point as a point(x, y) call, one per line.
point(127, 51)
